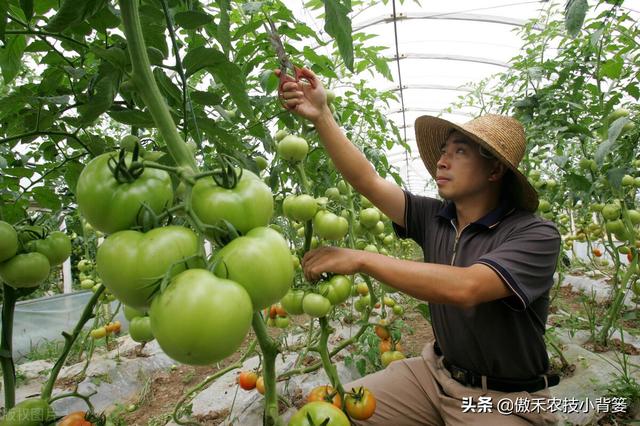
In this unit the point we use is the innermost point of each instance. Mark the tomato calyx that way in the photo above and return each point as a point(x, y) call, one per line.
point(227, 175)
point(122, 172)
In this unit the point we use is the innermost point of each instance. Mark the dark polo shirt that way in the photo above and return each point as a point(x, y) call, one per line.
point(502, 338)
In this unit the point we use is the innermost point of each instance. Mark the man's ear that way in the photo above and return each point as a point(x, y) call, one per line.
point(497, 171)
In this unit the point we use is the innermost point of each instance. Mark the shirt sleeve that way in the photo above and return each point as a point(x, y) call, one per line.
point(418, 212)
point(526, 262)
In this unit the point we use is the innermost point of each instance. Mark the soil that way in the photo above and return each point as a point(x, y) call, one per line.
point(167, 387)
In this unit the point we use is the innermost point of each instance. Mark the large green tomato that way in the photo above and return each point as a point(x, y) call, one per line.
point(337, 289)
point(261, 263)
point(140, 329)
point(321, 413)
point(292, 148)
point(132, 264)
point(30, 412)
point(201, 319)
point(292, 302)
point(8, 241)
point(56, 246)
point(329, 226)
point(25, 270)
point(247, 206)
point(611, 211)
point(300, 207)
point(369, 217)
point(110, 206)
point(316, 305)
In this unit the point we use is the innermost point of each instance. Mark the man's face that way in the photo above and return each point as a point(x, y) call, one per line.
point(461, 170)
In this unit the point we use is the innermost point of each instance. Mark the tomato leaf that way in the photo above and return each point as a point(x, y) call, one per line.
point(11, 58)
point(132, 117)
point(423, 308)
point(338, 25)
point(223, 34)
point(206, 98)
point(223, 70)
point(46, 197)
point(71, 173)
point(103, 94)
point(578, 182)
point(3, 18)
point(27, 8)
point(192, 19)
point(575, 12)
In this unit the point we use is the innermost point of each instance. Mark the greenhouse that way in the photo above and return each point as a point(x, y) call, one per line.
point(320, 212)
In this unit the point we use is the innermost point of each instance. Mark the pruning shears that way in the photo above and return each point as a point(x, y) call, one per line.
point(288, 71)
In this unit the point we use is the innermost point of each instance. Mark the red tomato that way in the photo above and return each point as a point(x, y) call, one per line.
point(326, 394)
point(247, 380)
point(597, 252)
point(360, 403)
point(75, 419)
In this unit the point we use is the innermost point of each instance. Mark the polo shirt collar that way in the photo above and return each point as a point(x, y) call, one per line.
point(489, 220)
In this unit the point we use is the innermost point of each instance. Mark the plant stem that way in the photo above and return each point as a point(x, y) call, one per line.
point(147, 87)
point(269, 353)
point(6, 346)
point(325, 357)
point(69, 340)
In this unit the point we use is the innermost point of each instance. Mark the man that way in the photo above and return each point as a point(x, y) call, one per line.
point(489, 264)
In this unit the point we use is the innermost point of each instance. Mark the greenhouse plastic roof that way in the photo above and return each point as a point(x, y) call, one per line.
point(443, 46)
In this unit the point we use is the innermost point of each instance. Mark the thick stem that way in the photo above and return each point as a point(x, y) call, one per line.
point(325, 357)
point(6, 346)
point(147, 87)
point(269, 353)
point(614, 311)
point(69, 340)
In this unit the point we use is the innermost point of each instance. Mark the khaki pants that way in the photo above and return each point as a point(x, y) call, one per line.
point(420, 391)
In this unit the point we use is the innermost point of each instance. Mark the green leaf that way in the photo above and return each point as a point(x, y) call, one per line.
point(27, 8)
point(104, 19)
point(192, 19)
point(46, 197)
point(11, 58)
point(3, 18)
point(223, 35)
point(223, 70)
point(72, 171)
point(423, 308)
point(105, 89)
point(113, 55)
point(575, 13)
point(133, 118)
point(578, 182)
point(633, 90)
point(338, 25)
point(205, 98)
point(155, 56)
point(612, 68)
point(70, 13)
point(167, 87)
point(18, 172)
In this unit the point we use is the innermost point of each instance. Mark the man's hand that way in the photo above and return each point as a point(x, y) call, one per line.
point(306, 98)
point(331, 259)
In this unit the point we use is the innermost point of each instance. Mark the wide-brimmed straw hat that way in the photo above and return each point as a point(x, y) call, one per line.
point(501, 135)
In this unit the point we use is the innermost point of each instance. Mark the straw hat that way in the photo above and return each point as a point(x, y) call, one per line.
point(501, 135)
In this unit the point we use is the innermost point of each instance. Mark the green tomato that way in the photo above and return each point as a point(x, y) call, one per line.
point(627, 180)
point(293, 148)
point(315, 305)
point(30, 412)
point(261, 162)
point(369, 217)
point(636, 182)
point(388, 240)
point(319, 413)
point(398, 310)
point(332, 193)
point(329, 226)
point(200, 319)
point(544, 205)
point(84, 265)
point(87, 284)
point(390, 356)
point(371, 248)
point(388, 301)
point(337, 289)
point(56, 246)
point(362, 303)
point(611, 211)
point(8, 241)
point(110, 206)
point(260, 262)
point(132, 264)
point(378, 229)
point(331, 96)
point(303, 207)
point(281, 322)
point(140, 329)
point(129, 142)
point(25, 270)
point(280, 134)
point(343, 187)
point(247, 206)
point(617, 113)
point(292, 302)
point(131, 313)
point(634, 215)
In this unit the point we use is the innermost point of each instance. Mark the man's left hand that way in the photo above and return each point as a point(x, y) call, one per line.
point(331, 259)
